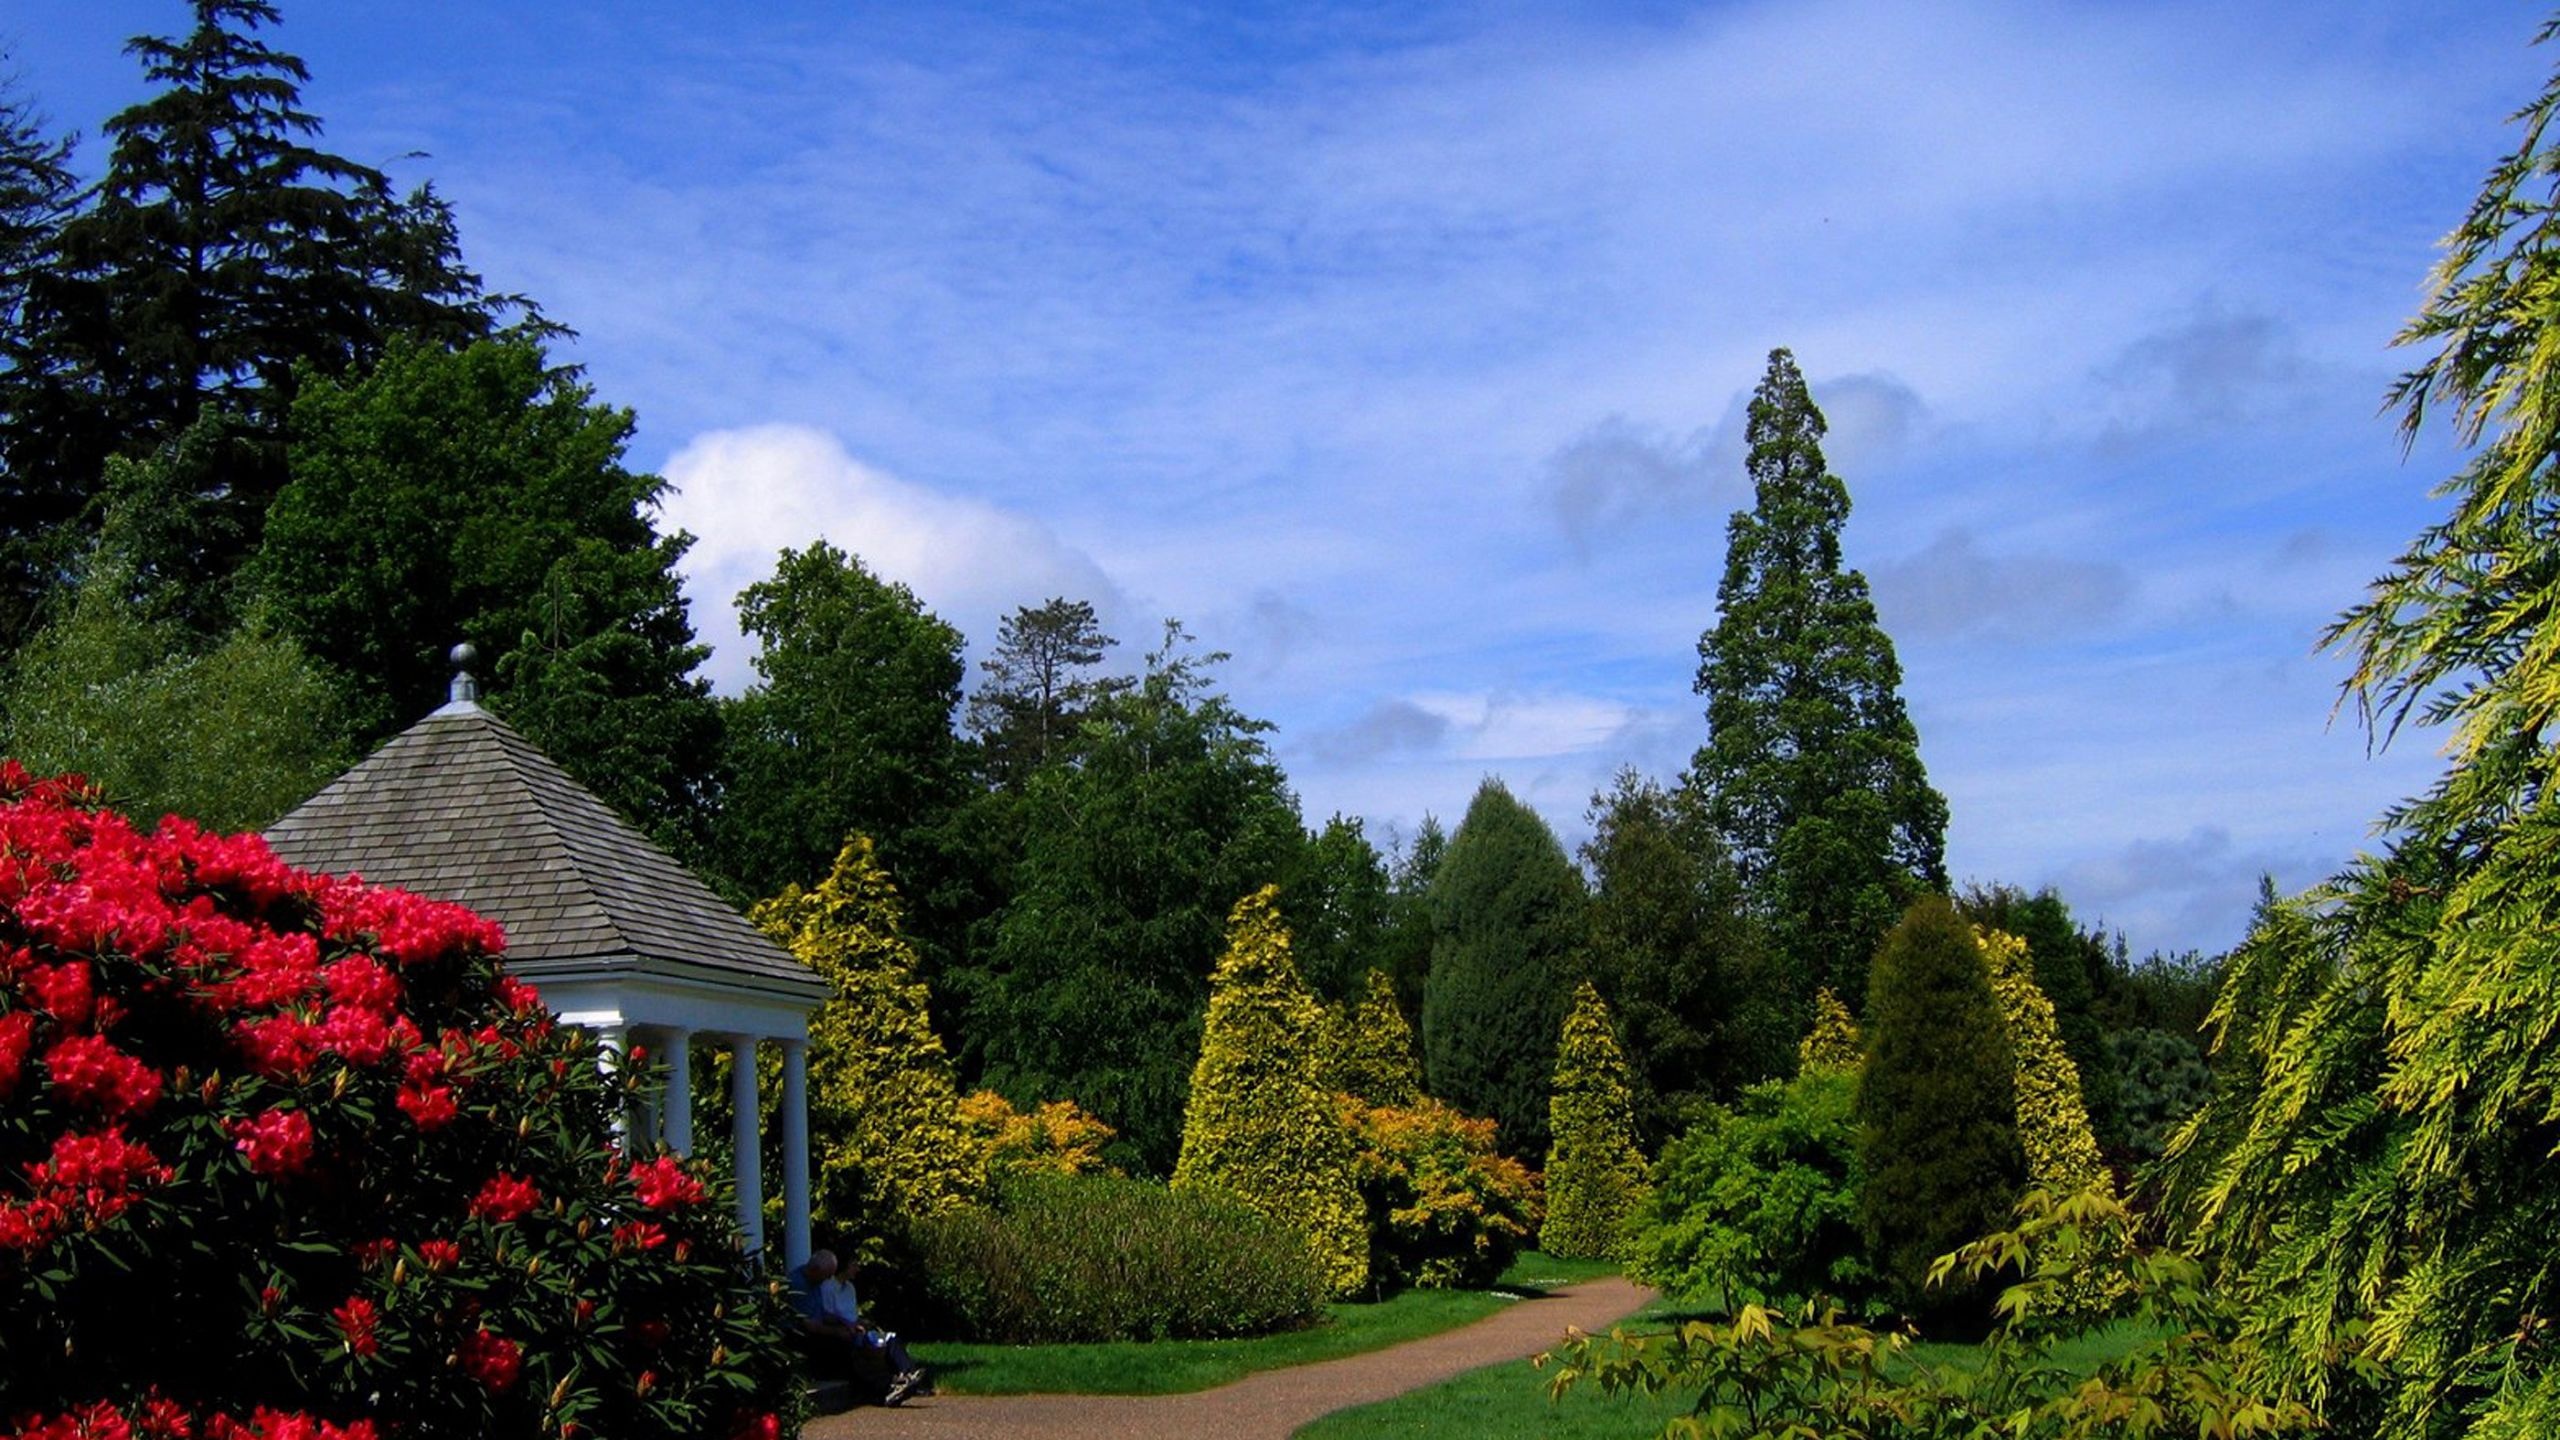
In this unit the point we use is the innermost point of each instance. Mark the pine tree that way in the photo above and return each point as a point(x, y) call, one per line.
point(220, 255)
point(1372, 1053)
point(1833, 1043)
point(38, 507)
point(1260, 1124)
point(1937, 1127)
point(1506, 919)
point(1811, 771)
point(1026, 713)
point(1595, 1173)
point(882, 1102)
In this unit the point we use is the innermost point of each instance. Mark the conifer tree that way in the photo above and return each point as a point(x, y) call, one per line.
point(2375, 1169)
point(38, 504)
point(2053, 1125)
point(883, 1107)
point(1811, 771)
point(1833, 1043)
point(1372, 1055)
point(1937, 1128)
point(1595, 1173)
point(1039, 685)
point(1260, 1124)
point(1506, 919)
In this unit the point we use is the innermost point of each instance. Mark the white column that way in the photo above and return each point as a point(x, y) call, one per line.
point(677, 1126)
point(742, 1141)
point(613, 1044)
point(795, 1154)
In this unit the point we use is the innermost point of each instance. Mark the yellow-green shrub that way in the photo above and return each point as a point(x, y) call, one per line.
point(1371, 1053)
point(1447, 1210)
point(1055, 1138)
point(1833, 1043)
point(1595, 1173)
point(2053, 1124)
point(1260, 1124)
point(884, 1112)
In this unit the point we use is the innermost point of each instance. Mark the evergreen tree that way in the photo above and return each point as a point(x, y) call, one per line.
point(847, 728)
point(1937, 1127)
point(1595, 1173)
point(1405, 949)
point(479, 495)
point(1337, 887)
point(881, 1094)
point(2375, 1171)
point(1372, 1054)
point(37, 192)
point(1811, 771)
point(1672, 952)
point(1507, 921)
point(2053, 1125)
point(1833, 1043)
point(223, 255)
point(1094, 982)
point(1027, 712)
point(1260, 1124)
point(2069, 966)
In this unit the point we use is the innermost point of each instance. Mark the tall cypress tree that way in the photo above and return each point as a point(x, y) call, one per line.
point(1506, 919)
point(1811, 771)
point(1937, 1122)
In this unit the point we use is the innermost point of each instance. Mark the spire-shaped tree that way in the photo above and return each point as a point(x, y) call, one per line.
point(1595, 1173)
point(1811, 771)
point(1506, 920)
point(881, 1093)
point(1260, 1124)
point(36, 507)
point(1373, 1048)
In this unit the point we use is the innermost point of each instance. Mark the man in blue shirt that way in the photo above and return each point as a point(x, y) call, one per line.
point(831, 1316)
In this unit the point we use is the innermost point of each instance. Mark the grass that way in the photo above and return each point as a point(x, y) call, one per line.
point(1172, 1367)
point(1509, 1402)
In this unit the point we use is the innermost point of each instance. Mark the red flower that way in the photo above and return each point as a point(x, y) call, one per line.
point(96, 1171)
point(505, 1199)
point(356, 1319)
point(279, 1047)
point(278, 1143)
point(31, 1224)
point(432, 1108)
point(354, 1033)
point(662, 1184)
point(439, 1255)
point(638, 1235)
point(767, 1426)
point(493, 1360)
point(63, 991)
point(17, 1036)
point(87, 1070)
point(373, 1252)
point(518, 996)
point(362, 980)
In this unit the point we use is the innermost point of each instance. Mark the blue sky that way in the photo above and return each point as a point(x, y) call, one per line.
point(1400, 351)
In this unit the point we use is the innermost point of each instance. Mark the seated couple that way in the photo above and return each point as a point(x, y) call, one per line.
point(839, 1340)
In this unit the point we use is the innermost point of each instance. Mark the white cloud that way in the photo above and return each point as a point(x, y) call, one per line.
point(748, 494)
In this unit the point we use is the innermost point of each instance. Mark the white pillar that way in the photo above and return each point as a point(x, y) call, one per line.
point(613, 1044)
point(742, 1141)
point(676, 1128)
point(795, 1154)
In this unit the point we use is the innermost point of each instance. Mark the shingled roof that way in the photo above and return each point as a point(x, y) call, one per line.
point(461, 807)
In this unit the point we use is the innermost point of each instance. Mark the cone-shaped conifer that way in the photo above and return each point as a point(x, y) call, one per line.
point(1506, 915)
point(1260, 1124)
point(1373, 1048)
point(2053, 1125)
point(1595, 1173)
point(1937, 1131)
point(884, 1109)
point(1833, 1043)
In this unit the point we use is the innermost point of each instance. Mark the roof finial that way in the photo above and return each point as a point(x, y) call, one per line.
point(465, 690)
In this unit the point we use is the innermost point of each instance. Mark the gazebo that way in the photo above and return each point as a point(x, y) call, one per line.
point(620, 938)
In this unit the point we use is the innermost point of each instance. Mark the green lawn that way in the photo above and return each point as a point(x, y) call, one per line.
point(1170, 1367)
point(1509, 1402)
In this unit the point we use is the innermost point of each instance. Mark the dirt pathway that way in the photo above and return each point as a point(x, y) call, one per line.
point(1264, 1406)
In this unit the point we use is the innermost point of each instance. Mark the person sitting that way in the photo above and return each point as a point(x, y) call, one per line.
point(832, 1326)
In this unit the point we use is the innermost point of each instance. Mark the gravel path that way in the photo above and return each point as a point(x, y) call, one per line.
point(1265, 1406)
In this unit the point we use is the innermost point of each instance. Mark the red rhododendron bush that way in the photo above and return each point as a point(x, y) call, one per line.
point(284, 1157)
